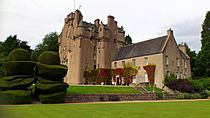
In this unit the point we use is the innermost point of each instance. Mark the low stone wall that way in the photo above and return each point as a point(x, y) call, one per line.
point(108, 97)
point(168, 96)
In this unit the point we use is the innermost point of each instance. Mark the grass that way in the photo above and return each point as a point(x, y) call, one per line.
point(180, 109)
point(101, 90)
point(157, 90)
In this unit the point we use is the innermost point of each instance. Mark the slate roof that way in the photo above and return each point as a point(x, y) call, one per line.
point(184, 56)
point(152, 46)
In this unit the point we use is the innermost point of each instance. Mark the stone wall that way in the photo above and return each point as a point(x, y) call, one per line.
point(168, 96)
point(108, 97)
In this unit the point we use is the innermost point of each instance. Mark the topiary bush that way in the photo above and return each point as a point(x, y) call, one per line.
point(53, 98)
point(49, 57)
point(51, 88)
point(15, 97)
point(19, 71)
point(12, 68)
point(52, 72)
point(182, 85)
point(17, 84)
point(19, 55)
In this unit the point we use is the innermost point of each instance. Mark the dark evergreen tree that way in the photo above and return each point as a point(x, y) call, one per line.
point(128, 40)
point(203, 63)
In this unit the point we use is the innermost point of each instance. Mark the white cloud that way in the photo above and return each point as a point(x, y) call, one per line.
point(142, 19)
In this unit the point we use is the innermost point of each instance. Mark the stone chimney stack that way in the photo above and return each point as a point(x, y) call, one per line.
point(183, 47)
point(78, 16)
point(97, 21)
point(110, 20)
point(170, 32)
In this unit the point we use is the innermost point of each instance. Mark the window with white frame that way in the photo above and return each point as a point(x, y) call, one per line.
point(185, 64)
point(134, 62)
point(115, 64)
point(134, 79)
point(177, 75)
point(177, 62)
point(123, 64)
point(167, 60)
point(146, 60)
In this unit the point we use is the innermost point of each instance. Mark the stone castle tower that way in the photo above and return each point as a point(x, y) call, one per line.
point(86, 46)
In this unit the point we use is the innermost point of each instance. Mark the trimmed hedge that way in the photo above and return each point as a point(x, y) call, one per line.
point(52, 72)
point(17, 84)
point(52, 98)
point(11, 78)
point(189, 96)
point(182, 85)
point(51, 88)
point(15, 97)
point(49, 57)
point(19, 68)
point(46, 81)
point(19, 55)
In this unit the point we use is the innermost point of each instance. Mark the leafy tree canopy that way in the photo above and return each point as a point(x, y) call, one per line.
point(128, 40)
point(49, 43)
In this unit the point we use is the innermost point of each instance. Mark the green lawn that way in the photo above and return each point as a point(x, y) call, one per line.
point(180, 109)
point(102, 90)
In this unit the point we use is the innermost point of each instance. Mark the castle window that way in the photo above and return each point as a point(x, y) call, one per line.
point(94, 67)
point(177, 62)
point(167, 60)
point(134, 62)
point(115, 64)
point(114, 40)
point(94, 48)
point(100, 29)
point(91, 38)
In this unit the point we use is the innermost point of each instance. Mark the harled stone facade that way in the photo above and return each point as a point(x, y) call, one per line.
point(86, 46)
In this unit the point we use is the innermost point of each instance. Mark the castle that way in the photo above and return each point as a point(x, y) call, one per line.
point(85, 46)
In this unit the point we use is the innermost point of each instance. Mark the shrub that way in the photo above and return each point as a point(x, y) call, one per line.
point(51, 88)
point(46, 81)
point(52, 72)
point(18, 68)
point(17, 84)
point(182, 85)
point(189, 96)
point(167, 79)
point(49, 57)
point(19, 55)
point(11, 78)
point(15, 97)
point(52, 98)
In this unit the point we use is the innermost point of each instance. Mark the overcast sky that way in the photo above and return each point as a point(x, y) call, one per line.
point(141, 19)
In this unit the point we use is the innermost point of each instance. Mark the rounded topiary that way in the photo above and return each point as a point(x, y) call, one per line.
point(52, 72)
point(15, 97)
point(19, 55)
point(49, 57)
point(12, 68)
point(52, 98)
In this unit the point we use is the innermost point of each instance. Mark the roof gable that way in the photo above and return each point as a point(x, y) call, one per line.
point(148, 47)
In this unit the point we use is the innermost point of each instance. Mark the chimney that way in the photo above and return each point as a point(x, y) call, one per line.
point(111, 20)
point(97, 22)
point(183, 47)
point(170, 32)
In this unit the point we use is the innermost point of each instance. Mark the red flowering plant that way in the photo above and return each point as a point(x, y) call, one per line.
point(129, 72)
point(150, 69)
point(115, 72)
point(104, 75)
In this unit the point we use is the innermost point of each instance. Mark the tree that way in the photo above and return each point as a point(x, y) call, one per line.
point(129, 71)
point(128, 40)
point(11, 43)
point(203, 63)
point(49, 43)
point(193, 61)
